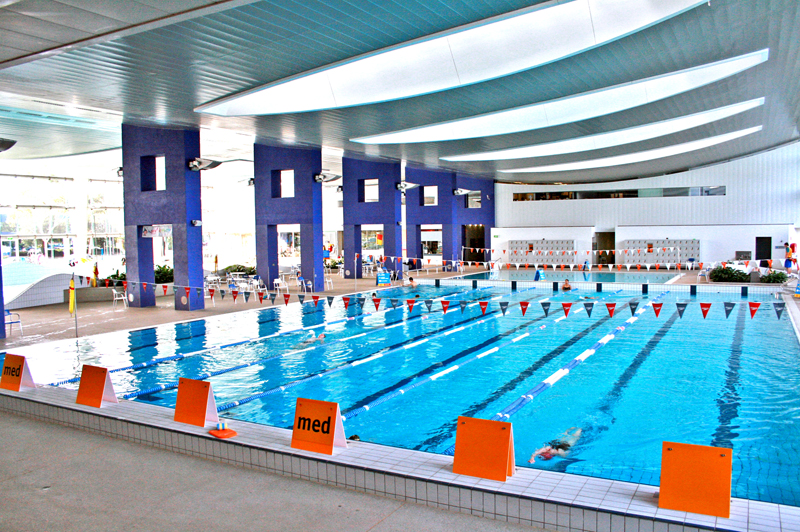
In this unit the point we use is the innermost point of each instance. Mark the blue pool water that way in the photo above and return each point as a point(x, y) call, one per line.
point(731, 382)
point(558, 275)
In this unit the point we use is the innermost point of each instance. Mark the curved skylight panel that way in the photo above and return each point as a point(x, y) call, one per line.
point(470, 54)
point(573, 108)
point(637, 157)
point(612, 138)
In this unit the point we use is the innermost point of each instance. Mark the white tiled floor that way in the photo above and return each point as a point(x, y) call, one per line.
point(557, 501)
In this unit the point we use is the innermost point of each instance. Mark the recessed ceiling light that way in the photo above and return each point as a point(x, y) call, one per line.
point(637, 157)
point(477, 52)
point(573, 108)
point(612, 138)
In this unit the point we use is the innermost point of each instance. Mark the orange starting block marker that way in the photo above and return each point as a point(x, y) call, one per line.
point(484, 449)
point(16, 373)
point(318, 426)
point(195, 403)
point(696, 479)
point(95, 387)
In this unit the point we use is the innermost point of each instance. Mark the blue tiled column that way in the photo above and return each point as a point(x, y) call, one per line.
point(305, 208)
point(357, 212)
point(177, 205)
point(413, 243)
point(2, 302)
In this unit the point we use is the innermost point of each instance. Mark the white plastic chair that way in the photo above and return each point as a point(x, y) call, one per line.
point(119, 296)
point(280, 284)
point(10, 321)
point(328, 282)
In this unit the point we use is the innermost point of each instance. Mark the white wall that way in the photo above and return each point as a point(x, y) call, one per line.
point(762, 199)
point(761, 189)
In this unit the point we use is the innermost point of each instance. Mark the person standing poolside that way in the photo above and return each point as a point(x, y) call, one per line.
point(788, 262)
point(558, 447)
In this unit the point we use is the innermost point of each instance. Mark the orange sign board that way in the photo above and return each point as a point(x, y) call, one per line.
point(484, 449)
point(318, 426)
point(195, 403)
point(696, 479)
point(95, 387)
point(16, 373)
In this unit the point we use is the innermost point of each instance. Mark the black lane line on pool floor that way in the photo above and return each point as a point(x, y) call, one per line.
point(172, 385)
point(729, 400)
point(445, 432)
point(378, 354)
point(592, 431)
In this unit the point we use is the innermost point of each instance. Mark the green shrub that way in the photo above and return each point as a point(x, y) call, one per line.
point(774, 277)
point(164, 274)
point(247, 270)
point(728, 275)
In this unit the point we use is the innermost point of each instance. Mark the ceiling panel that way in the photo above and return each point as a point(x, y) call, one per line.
point(157, 77)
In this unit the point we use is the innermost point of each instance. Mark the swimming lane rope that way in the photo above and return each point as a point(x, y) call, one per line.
point(550, 381)
point(400, 391)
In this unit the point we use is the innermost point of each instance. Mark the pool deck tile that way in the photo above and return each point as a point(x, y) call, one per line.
point(534, 497)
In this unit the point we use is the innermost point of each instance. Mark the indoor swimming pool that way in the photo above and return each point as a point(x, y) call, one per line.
point(559, 275)
point(402, 376)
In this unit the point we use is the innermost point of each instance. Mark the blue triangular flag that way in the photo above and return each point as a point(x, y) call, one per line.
point(589, 308)
point(301, 297)
point(463, 306)
point(634, 305)
point(222, 293)
point(272, 298)
point(503, 307)
point(330, 300)
point(361, 302)
point(198, 290)
point(681, 308)
point(429, 303)
point(546, 308)
point(246, 297)
point(779, 308)
point(728, 308)
point(393, 302)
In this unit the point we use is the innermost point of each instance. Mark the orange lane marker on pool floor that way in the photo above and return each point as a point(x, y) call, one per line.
point(696, 479)
point(95, 387)
point(318, 426)
point(195, 403)
point(16, 374)
point(484, 448)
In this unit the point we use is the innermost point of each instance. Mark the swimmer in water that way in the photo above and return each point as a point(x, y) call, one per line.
point(312, 339)
point(566, 285)
point(412, 282)
point(558, 447)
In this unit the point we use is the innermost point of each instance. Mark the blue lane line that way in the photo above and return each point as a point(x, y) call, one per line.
point(550, 381)
point(174, 384)
point(402, 390)
point(170, 358)
point(444, 331)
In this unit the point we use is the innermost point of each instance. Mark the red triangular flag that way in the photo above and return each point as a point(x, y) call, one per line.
point(106, 283)
point(286, 298)
point(445, 304)
point(234, 292)
point(188, 290)
point(705, 308)
point(346, 301)
point(611, 307)
point(754, 309)
point(260, 296)
point(377, 302)
point(315, 299)
point(523, 305)
point(483, 305)
point(619, 267)
point(746, 263)
point(566, 307)
point(657, 308)
point(724, 264)
point(410, 303)
point(210, 292)
point(144, 285)
point(658, 266)
point(124, 285)
point(165, 290)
